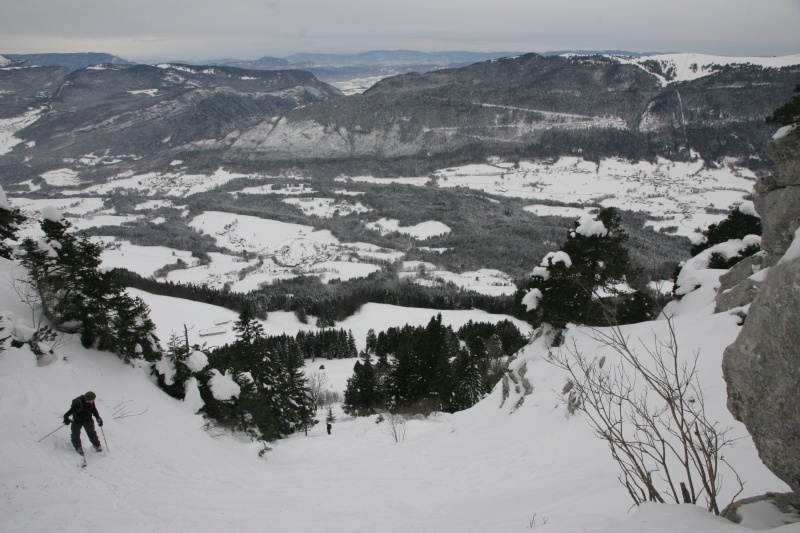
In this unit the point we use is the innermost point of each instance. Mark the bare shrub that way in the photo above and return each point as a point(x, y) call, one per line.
point(316, 384)
point(393, 425)
point(423, 408)
point(328, 397)
point(665, 446)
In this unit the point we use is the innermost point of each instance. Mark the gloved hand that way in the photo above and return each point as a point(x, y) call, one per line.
point(67, 421)
point(100, 422)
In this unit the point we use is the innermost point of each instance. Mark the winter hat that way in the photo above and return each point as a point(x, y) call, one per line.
point(89, 396)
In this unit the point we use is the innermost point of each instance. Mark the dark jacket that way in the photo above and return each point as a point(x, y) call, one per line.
point(81, 410)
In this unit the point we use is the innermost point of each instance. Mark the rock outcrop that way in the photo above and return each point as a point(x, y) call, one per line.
point(736, 289)
point(762, 367)
point(778, 196)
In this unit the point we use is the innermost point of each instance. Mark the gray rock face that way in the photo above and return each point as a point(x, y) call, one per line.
point(762, 371)
point(741, 271)
point(735, 289)
point(778, 198)
point(786, 154)
point(738, 296)
point(762, 367)
point(780, 218)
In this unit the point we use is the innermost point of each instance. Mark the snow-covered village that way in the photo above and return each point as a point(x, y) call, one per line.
point(332, 290)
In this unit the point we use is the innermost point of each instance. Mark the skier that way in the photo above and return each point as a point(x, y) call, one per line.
point(329, 428)
point(82, 410)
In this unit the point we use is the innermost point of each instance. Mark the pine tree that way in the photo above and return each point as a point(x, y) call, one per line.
point(787, 114)
point(469, 377)
point(330, 418)
point(249, 331)
point(362, 396)
point(75, 296)
point(257, 374)
point(294, 410)
point(372, 341)
point(10, 219)
point(587, 266)
point(737, 225)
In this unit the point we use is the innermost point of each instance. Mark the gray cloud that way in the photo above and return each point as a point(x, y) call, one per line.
point(196, 29)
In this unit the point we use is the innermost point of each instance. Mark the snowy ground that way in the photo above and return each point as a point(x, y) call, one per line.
point(482, 470)
point(9, 126)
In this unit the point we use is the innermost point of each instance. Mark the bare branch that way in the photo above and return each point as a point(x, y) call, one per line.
point(650, 410)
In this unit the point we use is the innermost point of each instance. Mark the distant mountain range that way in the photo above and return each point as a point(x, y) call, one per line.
point(71, 61)
point(326, 67)
point(102, 120)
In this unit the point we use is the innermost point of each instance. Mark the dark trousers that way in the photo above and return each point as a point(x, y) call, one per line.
point(88, 425)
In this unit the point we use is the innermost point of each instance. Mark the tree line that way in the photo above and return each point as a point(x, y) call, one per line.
point(430, 368)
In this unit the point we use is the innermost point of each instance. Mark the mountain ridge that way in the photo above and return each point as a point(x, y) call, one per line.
point(530, 106)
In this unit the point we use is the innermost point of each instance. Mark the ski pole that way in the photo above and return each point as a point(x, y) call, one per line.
point(104, 437)
point(59, 427)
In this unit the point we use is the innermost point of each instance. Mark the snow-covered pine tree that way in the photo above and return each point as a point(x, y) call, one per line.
point(570, 285)
point(737, 225)
point(10, 219)
point(76, 297)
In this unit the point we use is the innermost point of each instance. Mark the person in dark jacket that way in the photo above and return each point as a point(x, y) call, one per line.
point(82, 410)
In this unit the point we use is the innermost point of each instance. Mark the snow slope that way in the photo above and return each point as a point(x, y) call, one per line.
point(486, 469)
point(687, 66)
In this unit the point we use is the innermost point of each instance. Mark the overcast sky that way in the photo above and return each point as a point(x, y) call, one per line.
point(248, 29)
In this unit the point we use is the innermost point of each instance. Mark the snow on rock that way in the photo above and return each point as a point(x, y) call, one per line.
point(794, 249)
point(784, 131)
point(698, 284)
point(589, 227)
point(222, 385)
point(748, 208)
point(196, 361)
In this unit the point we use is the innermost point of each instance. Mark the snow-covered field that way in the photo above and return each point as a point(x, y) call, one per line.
point(326, 207)
point(676, 195)
point(491, 468)
point(421, 231)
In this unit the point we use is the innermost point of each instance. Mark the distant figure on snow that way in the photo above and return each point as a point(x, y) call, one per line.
point(82, 410)
point(329, 428)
